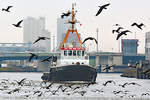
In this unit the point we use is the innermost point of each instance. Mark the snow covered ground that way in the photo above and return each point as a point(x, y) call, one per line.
point(32, 87)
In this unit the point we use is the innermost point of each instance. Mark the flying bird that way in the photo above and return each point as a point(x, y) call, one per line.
point(123, 86)
point(133, 83)
point(101, 8)
point(110, 81)
point(47, 59)
point(145, 94)
point(90, 38)
point(40, 38)
point(18, 24)
point(7, 9)
point(109, 67)
point(122, 33)
point(21, 81)
point(118, 30)
point(65, 14)
point(138, 25)
point(32, 55)
point(117, 92)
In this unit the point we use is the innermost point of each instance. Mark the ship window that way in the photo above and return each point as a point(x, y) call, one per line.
point(74, 53)
point(70, 53)
point(65, 53)
point(83, 53)
point(79, 53)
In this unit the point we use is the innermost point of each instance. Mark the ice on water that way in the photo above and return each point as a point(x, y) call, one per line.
point(34, 88)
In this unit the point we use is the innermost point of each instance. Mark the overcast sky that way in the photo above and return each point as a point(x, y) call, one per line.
point(123, 12)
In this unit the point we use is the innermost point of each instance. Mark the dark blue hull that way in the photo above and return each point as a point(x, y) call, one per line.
point(71, 73)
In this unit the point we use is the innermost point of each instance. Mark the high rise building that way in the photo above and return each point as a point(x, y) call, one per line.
point(33, 28)
point(147, 46)
point(62, 28)
point(129, 47)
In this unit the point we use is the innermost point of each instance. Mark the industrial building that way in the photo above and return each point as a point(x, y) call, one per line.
point(32, 29)
point(129, 46)
point(147, 46)
point(119, 61)
point(101, 60)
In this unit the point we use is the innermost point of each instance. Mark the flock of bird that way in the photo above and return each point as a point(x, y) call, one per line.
point(29, 88)
point(120, 33)
point(118, 30)
point(18, 24)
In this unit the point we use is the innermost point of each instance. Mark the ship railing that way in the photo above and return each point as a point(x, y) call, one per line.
point(73, 45)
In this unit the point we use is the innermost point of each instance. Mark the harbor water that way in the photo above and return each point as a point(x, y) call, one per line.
point(33, 88)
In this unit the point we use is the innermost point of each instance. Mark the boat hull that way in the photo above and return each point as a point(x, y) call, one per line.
point(71, 73)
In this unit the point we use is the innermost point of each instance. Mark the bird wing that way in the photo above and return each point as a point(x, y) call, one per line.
point(106, 5)
point(9, 7)
point(46, 59)
point(47, 38)
point(134, 24)
point(118, 36)
point(113, 31)
point(19, 22)
point(37, 40)
point(99, 11)
point(85, 40)
point(22, 80)
point(124, 32)
point(95, 41)
point(119, 28)
point(62, 16)
point(30, 58)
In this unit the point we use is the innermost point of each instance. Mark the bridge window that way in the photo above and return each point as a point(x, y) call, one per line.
point(83, 53)
point(70, 53)
point(74, 53)
point(65, 53)
point(79, 53)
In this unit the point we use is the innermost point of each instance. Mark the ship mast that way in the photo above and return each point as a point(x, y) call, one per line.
point(72, 30)
point(73, 18)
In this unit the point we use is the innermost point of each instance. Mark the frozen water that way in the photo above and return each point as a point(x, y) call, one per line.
point(33, 88)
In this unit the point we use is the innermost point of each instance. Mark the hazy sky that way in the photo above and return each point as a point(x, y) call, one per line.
point(123, 12)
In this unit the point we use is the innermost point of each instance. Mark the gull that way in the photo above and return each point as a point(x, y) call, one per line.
point(47, 59)
point(110, 81)
point(101, 8)
point(138, 25)
point(109, 67)
point(133, 83)
point(21, 81)
point(7, 9)
point(123, 86)
point(90, 38)
point(122, 33)
point(32, 55)
point(18, 24)
point(145, 94)
point(40, 38)
point(118, 30)
point(65, 14)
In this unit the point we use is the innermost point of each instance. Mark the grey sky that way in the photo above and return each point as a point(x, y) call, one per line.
point(123, 12)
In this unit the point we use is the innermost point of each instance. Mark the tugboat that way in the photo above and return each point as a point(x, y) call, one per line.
point(73, 65)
